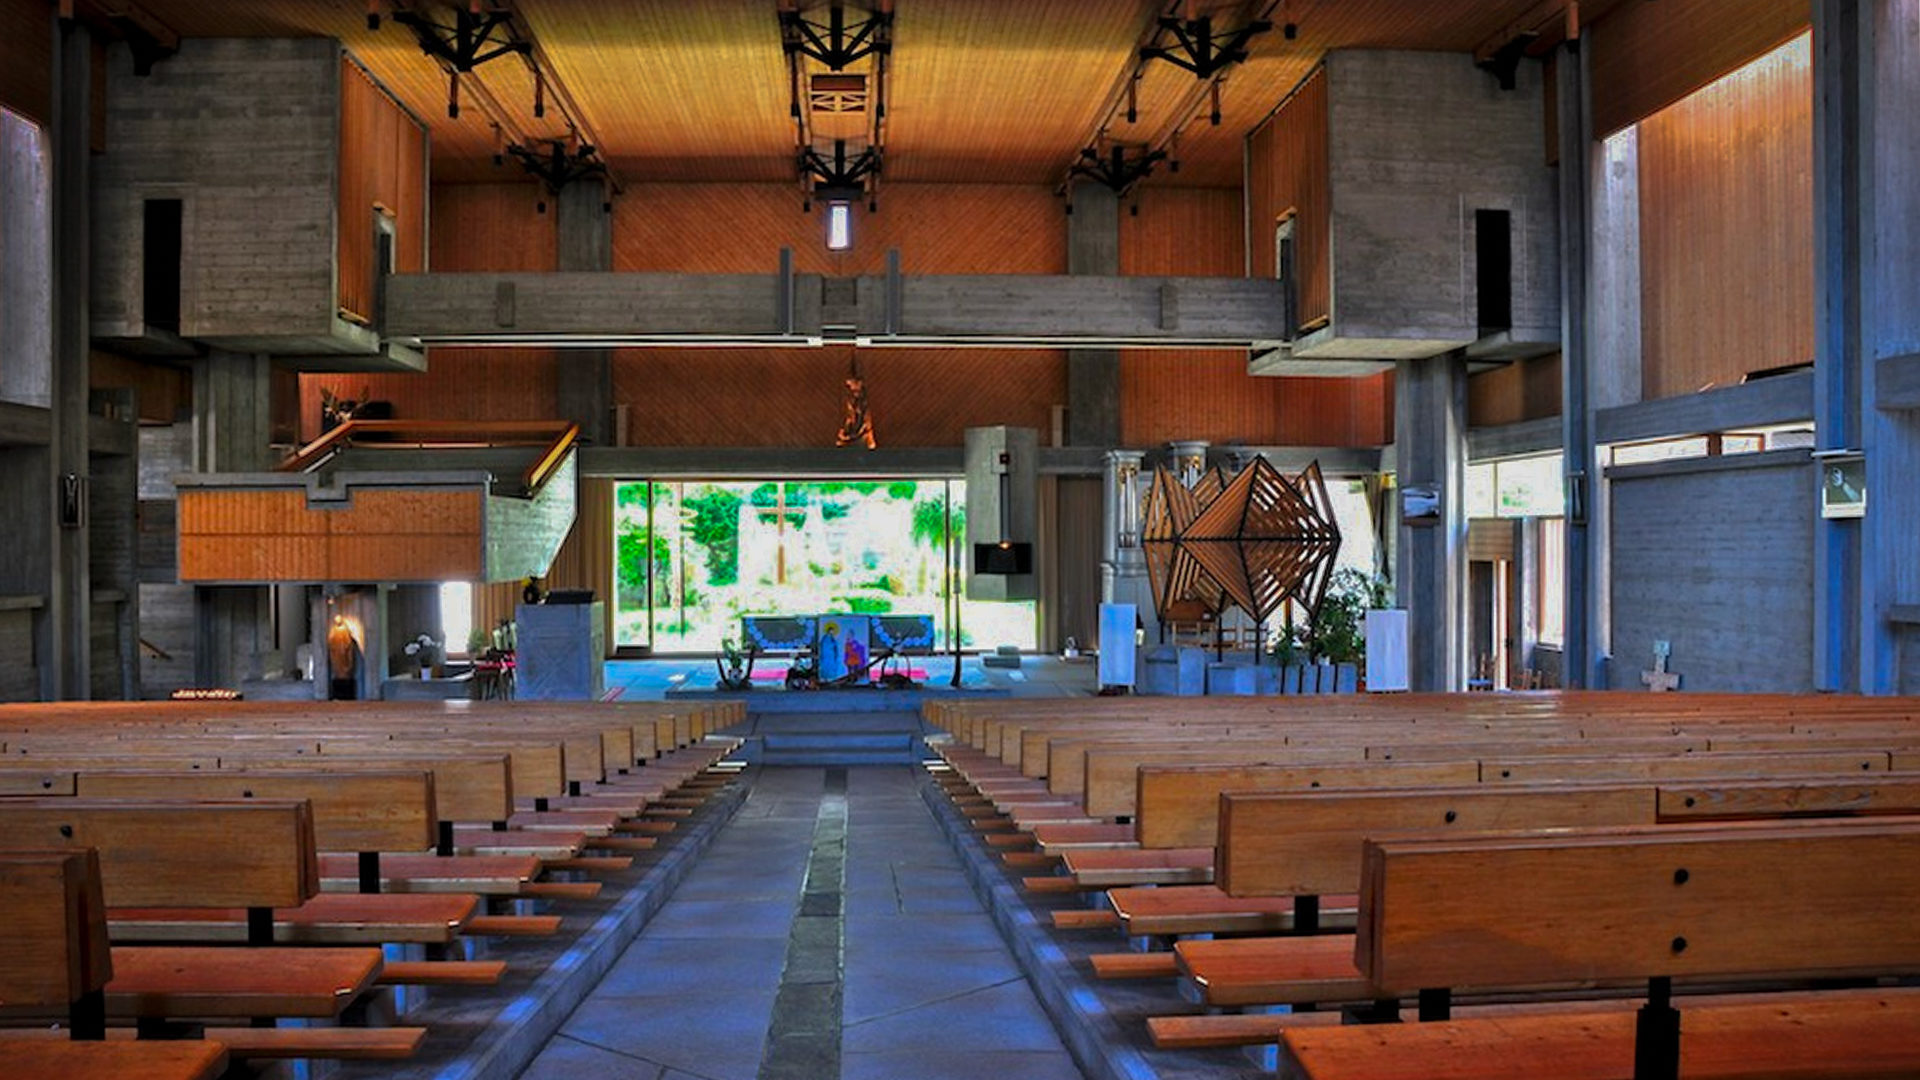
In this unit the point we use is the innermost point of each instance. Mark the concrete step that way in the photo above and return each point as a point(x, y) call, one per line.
point(838, 748)
point(837, 740)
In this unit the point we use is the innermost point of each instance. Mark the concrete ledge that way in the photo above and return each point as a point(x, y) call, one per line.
point(1102, 1049)
point(1784, 399)
point(514, 1035)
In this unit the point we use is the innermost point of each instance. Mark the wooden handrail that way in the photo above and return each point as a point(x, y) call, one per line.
point(496, 433)
point(542, 469)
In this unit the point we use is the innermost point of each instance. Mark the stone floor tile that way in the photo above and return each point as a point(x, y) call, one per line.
point(569, 1059)
point(1002, 1017)
point(930, 1064)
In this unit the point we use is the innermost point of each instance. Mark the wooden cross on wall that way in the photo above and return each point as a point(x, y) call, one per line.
point(1660, 679)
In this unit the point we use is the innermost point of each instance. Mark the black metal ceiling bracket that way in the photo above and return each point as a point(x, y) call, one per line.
point(836, 43)
point(472, 40)
point(1199, 50)
point(556, 166)
point(1117, 170)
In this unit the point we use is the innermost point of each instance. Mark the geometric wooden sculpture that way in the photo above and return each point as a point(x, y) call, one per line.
point(1182, 589)
point(1252, 542)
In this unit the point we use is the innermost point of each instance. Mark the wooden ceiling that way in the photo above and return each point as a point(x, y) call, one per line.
point(1003, 91)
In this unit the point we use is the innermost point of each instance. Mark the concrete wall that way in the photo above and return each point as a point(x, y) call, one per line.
point(166, 607)
point(1715, 556)
point(26, 269)
point(245, 133)
point(1418, 142)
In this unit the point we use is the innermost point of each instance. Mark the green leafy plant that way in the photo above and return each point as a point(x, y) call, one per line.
point(714, 527)
point(1337, 633)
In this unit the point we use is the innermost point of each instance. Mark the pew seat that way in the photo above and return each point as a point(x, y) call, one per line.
point(61, 1059)
point(216, 981)
point(1207, 909)
point(1853, 1034)
point(327, 919)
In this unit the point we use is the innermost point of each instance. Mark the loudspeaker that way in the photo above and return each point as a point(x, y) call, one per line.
point(1003, 507)
point(1005, 557)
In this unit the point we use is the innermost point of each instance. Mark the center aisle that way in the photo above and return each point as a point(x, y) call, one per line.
point(923, 986)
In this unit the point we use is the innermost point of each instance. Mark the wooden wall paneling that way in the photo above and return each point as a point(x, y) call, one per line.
point(407, 512)
point(402, 557)
point(585, 558)
point(459, 384)
point(780, 397)
point(382, 161)
point(1726, 228)
point(385, 535)
point(162, 393)
point(1525, 390)
point(1290, 168)
point(1171, 394)
point(1645, 57)
point(1184, 232)
point(1489, 539)
point(26, 59)
point(492, 227)
point(938, 228)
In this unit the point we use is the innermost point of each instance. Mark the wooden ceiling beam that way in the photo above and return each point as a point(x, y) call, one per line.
point(1546, 24)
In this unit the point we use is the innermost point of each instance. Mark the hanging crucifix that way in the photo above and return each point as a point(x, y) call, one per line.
point(856, 426)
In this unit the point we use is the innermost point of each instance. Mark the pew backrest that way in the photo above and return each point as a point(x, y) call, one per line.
point(53, 936)
point(1826, 898)
point(352, 811)
point(156, 853)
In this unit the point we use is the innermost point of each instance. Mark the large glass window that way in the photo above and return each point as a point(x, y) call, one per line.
point(1518, 487)
point(692, 557)
point(1551, 587)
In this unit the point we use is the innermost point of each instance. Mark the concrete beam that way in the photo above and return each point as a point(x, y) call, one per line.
point(1514, 440)
point(1783, 399)
point(755, 462)
point(587, 309)
point(1088, 311)
point(827, 463)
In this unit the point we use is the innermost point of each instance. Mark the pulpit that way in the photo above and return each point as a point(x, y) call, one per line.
point(562, 648)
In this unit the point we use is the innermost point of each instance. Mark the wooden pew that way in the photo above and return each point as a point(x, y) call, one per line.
point(1732, 903)
point(1305, 845)
point(257, 855)
point(54, 956)
point(365, 813)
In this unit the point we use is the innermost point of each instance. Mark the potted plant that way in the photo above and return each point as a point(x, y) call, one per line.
point(427, 653)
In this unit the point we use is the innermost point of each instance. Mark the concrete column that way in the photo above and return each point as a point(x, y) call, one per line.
point(1837, 149)
point(1430, 443)
point(232, 426)
point(69, 594)
point(1093, 375)
point(26, 271)
point(1888, 145)
point(585, 232)
point(1585, 627)
point(232, 413)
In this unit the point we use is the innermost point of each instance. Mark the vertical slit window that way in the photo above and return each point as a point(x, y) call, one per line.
point(839, 226)
point(1493, 262)
point(160, 264)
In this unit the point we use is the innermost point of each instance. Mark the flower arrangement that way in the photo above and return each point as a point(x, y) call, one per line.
point(427, 652)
